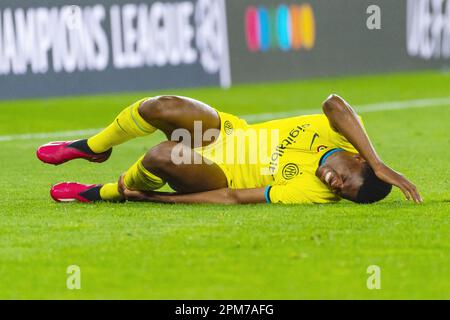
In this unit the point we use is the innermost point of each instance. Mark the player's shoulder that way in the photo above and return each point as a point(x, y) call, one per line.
point(314, 116)
point(313, 122)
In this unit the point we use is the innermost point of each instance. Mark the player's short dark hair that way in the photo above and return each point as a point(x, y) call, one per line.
point(373, 189)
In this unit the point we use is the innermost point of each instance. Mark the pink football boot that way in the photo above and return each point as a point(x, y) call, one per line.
point(72, 191)
point(59, 152)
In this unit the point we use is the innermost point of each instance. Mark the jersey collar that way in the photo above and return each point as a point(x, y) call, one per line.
point(327, 154)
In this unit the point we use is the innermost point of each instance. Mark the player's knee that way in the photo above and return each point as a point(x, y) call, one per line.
point(160, 107)
point(159, 158)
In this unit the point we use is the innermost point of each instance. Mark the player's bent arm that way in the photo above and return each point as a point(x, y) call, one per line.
point(219, 196)
point(344, 120)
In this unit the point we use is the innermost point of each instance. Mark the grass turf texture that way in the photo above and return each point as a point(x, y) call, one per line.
point(159, 251)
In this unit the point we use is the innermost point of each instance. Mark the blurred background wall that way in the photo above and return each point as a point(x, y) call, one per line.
point(57, 48)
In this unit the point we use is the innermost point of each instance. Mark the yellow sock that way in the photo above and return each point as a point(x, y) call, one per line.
point(110, 192)
point(139, 178)
point(128, 125)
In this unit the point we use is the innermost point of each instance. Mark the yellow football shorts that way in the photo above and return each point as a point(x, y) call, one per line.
point(234, 152)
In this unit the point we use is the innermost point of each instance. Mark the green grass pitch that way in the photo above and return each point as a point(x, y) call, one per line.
point(154, 251)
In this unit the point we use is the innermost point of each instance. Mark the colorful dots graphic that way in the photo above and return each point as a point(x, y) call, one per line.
point(284, 27)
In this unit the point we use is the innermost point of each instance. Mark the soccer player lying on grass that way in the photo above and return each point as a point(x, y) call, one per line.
point(310, 159)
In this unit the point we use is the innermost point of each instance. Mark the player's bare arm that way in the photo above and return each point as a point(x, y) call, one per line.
point(218, 196)
point(344, 119)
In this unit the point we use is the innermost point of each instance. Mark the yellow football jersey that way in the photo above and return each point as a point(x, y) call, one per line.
point(281, 155)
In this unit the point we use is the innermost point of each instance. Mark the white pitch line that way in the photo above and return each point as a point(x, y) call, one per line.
point(374, 107)
point(48, 135)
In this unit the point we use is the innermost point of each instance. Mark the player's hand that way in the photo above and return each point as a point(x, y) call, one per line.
point(390, 176)
point(131, 195)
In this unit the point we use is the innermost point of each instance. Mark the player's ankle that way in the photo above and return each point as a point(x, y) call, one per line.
point(110, 192)
point(83, 146)
point(93, 194)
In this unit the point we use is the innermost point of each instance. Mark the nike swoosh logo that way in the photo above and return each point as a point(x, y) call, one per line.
point(313, 139)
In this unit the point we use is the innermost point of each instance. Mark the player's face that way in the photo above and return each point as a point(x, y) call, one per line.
point(342, 173)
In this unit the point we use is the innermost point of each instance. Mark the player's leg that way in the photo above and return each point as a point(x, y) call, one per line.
point(151, 172)
point(169, 113)
point(159, 166)
point(126, 125)
point(166, 113)
point(193, 174)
